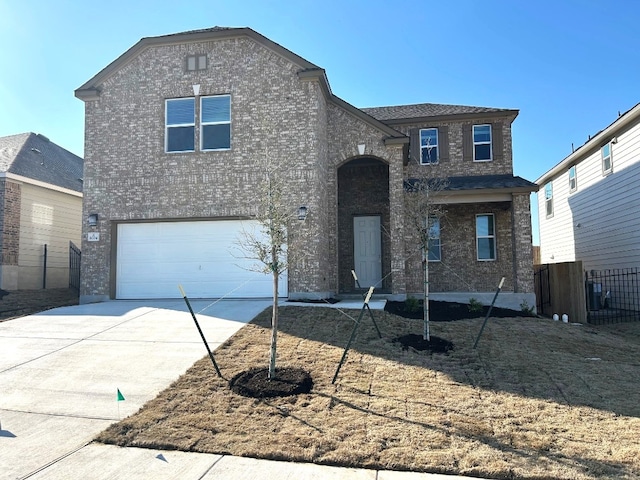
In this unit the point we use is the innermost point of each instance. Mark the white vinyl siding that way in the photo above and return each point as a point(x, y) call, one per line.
point(51, 218)
point(599, 222)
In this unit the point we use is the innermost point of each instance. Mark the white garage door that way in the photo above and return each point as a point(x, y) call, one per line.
point(203, 257)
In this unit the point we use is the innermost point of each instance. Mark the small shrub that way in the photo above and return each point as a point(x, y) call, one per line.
point(412, 305)
point(525, 308)
point(474, 305)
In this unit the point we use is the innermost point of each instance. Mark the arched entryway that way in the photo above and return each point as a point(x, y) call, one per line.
point(364, 225)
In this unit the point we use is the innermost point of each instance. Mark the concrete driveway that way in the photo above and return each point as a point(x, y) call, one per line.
point(60, 370)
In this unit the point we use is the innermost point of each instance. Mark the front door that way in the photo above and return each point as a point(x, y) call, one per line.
point(367, 257)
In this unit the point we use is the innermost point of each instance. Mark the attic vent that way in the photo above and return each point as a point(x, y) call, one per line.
point(196, 62)
point(35, 150)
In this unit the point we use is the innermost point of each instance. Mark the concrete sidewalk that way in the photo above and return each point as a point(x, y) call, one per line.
point(59, 376)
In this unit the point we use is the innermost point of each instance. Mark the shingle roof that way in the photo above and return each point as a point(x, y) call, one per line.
point(422, 110)
point(35, 156)
point(483, 182)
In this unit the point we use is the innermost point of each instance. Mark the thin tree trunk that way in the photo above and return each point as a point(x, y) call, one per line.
point(274, 329)
point(425, 312)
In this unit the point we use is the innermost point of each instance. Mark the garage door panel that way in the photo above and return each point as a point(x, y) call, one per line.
point(203, 257)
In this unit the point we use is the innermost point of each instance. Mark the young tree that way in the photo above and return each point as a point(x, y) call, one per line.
point(424, 212)
point(268, 246)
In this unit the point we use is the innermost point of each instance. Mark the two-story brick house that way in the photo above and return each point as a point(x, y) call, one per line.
point(177, 128)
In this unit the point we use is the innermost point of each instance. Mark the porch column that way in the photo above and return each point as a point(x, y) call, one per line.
point(521, 242)
point(396, 210)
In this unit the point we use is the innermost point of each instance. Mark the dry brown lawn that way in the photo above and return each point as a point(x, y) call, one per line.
point(537, 399)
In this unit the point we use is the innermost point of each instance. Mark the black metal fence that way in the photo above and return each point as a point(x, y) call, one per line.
point(75, 256)
point(613, 295)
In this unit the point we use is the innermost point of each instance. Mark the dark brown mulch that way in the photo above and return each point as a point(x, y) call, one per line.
point(450, 311)
point(18, 303)
point(255, 382)
point(433, 345)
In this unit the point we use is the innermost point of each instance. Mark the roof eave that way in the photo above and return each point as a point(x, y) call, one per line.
point(89, 90)
point(452, 117)
point(319, 75)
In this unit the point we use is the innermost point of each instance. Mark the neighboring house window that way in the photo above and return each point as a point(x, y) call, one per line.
point(482, 143)
point(573, 182)
point(548, 199)
point(434, 240)
point(196, 62)
point(180, 125)
point(607, 163)
point(215, 119)
point(428, 145)
point(485, 237)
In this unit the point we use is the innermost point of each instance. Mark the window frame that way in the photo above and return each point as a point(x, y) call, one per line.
point(573, 179)
point(484, 142)
point(423, 147)
point(178, 125)
point(491, 237)
point(204, 124)
point(548, 199)
point(607, 171)
point(434, 242)
point(197, 62)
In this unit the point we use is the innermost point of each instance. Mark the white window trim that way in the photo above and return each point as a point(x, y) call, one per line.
point(574, 187)
point(494, 237)
point(490, 142)
point(427, 146)
point(548, 200)
point(610, 157)
point(167, 126)
point(203, 124)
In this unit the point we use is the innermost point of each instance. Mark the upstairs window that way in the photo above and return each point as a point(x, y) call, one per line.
point(482, 143)
point(428, 146)
point(573, 182)
point(180, 125)
point(196, 62)
point(548, 199)
point(215, 119)
point(485, 237)
point(607, 162)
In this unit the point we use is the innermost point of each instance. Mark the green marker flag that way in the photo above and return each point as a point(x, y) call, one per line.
point(120, 396)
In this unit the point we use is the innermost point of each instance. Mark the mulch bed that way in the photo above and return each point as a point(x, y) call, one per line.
point(417, 342)
point(450, 311)
point(255, 382)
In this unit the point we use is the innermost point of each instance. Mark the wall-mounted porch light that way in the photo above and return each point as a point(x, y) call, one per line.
point(92, 220)
point(302, 213)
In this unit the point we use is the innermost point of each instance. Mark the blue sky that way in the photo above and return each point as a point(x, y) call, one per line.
point(569, 66)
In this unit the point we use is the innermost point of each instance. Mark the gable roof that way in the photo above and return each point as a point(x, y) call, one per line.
point(34, 156)
point(429, 111)
point(308, 71)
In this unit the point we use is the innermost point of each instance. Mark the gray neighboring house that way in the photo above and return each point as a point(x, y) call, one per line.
point(177, 127)
point(40, 204)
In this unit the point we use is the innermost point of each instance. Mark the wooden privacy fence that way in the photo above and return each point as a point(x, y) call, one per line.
point(560, 289)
